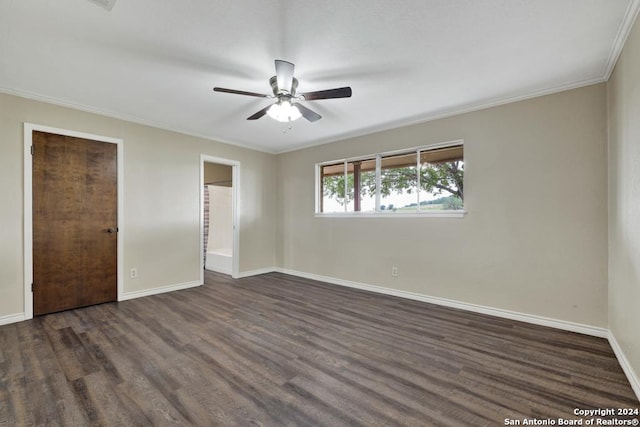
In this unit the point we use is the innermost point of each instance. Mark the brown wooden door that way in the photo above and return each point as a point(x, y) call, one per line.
point(74, 222)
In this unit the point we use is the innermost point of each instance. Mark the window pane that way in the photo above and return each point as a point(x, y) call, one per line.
point(442, 179)
point(420, 180)
point(398, 180)
point(361, 182)
point(332, 182)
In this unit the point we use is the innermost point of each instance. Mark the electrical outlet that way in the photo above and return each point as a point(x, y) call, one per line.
point(394, 271)
point(133, 273)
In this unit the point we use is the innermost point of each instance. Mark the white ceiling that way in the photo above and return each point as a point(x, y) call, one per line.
point(156, 62)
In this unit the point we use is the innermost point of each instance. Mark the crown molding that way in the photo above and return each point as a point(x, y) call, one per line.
point(621, 38)
point(119, 116)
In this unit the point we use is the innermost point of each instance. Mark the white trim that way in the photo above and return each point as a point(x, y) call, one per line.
point(126, 117)
point(346, 196)
point(528, 318)
point(621, 38)
point(437, 115)
point(378, 199)
point(507, 314)
point(235, 202)
point(624, 363)
point(257, 272)
point(378, 213)
point(159, 290)
point(417, 214)
point(223, 265)
point(220, 270)
point(28, 205)
point(28, 223)
point(434, 146)
point(12, 318)
point(334, 138)
point(317, 190)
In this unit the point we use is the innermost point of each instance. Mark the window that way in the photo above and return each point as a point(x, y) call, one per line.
point(416, 181)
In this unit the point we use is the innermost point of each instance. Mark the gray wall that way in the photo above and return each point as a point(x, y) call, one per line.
point(162, 198)
point(624, 201)
point(534, 240)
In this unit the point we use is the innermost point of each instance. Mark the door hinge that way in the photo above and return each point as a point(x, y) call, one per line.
point(32, 287)
point(32, 150)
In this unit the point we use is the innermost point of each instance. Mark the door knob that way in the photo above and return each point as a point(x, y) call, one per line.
point(112, 230)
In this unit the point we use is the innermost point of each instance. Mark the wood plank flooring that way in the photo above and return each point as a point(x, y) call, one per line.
point(277, 350)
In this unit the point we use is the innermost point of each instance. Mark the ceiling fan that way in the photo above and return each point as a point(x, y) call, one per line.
point(287, 107)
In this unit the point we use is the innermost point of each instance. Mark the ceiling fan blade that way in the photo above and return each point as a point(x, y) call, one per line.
point(239, 92)
point(284, 73)
point(308, 114)
point(260, 113)
point(342, 92)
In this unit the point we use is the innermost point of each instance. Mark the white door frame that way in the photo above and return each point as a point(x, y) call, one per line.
point(235, 191)
point(28, 205)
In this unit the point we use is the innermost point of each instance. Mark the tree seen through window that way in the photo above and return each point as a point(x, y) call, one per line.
point(416, 181)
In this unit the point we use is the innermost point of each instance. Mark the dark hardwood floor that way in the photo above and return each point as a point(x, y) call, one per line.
point(278, 350)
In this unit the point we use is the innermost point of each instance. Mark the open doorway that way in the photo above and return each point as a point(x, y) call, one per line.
point(219, 230)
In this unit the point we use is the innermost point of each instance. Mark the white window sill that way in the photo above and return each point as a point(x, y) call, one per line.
point(441, 214)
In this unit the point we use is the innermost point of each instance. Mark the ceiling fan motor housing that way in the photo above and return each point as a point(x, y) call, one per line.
point(273, 81)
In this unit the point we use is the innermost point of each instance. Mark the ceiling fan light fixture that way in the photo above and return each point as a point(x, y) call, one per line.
point(283, 111)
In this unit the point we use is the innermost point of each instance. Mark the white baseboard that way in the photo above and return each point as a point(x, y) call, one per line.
point(257, 272)
point(498, 312)
point(160, 290)
point(12, 318)
point(523, 317)
point(624, 363)
point(219, 263)
point(219, 270)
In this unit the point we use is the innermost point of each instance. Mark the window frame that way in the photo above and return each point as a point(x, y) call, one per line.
point(377, 213)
